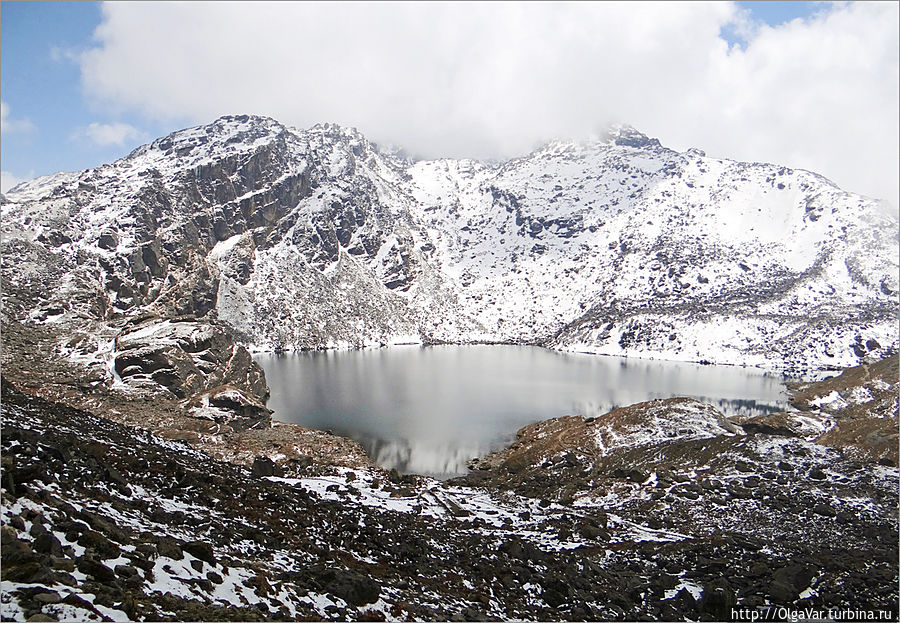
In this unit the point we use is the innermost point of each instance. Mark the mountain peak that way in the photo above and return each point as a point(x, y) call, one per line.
point(625, 135)
point(199, 143)
point(591, 242)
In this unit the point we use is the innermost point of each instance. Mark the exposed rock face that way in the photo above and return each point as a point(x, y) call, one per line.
point(228, 404)
point(226, 418)
point(186, 356)
point(196, 361)
point(316, 238)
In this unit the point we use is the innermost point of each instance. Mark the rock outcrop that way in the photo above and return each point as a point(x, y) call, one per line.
point(196, 360)
point(861, 405)
point(683, 432)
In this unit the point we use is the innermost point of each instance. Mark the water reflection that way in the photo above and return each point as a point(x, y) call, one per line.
point(429, 410)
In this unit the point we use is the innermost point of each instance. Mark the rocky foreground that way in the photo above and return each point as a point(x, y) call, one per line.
point(662, 510)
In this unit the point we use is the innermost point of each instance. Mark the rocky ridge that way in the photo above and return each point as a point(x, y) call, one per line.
point(316, 238)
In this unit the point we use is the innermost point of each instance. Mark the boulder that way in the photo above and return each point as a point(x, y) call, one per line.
point(95, 569)
point(169, 547)
point(788, 582)
point(47, 543)
point(187, 356)
point(99, 544)
point(262, 466)
point(108, 239)
point(49, 597)
point(201, 550)
point(717, 600)
point(166, 364)
point(357, 590)
point(230, 405)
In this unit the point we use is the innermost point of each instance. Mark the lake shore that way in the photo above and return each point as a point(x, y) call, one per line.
point(555, 527)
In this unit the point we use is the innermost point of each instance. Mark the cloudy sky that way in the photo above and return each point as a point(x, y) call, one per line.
point(809, 85)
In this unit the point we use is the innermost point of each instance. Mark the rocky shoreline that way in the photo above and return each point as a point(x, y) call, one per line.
point(124, 501)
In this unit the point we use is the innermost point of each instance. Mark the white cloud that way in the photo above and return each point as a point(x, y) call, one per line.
point(493, 79)
point(8, 125)
point(60, 54)
point(106, 134)
point(8, 180)
point(820, 94)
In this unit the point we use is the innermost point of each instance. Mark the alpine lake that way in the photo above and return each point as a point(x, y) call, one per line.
point(429, 409)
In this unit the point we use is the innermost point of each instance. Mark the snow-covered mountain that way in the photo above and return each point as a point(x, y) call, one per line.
point(317, 238)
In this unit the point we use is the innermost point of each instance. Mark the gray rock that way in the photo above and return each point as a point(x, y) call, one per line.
point(125, 571)
point(99, 544)
point(201, 550)
point(50, 597)
point(356, 590)
point(169, 548)
point(47, 543)
point(108, 240)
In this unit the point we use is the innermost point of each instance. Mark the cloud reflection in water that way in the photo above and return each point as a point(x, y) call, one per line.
point(431, 409)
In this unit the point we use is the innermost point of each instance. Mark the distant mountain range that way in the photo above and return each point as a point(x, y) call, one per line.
point(317, 238)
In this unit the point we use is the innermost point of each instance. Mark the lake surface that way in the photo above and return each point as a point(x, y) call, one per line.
point(428, 410)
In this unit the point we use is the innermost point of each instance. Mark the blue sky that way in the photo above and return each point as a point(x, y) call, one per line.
point(40, 84)
point(773, 13)
point(62, 112)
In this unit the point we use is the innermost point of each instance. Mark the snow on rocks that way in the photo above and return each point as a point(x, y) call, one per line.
point(833, 402)
point(128, 288)
point(577, 439)
point(314, 238)
point(118, 523)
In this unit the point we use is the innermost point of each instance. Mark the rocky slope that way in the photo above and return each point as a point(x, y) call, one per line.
point(316, 238)
point(143, 478)
point(663, 510)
